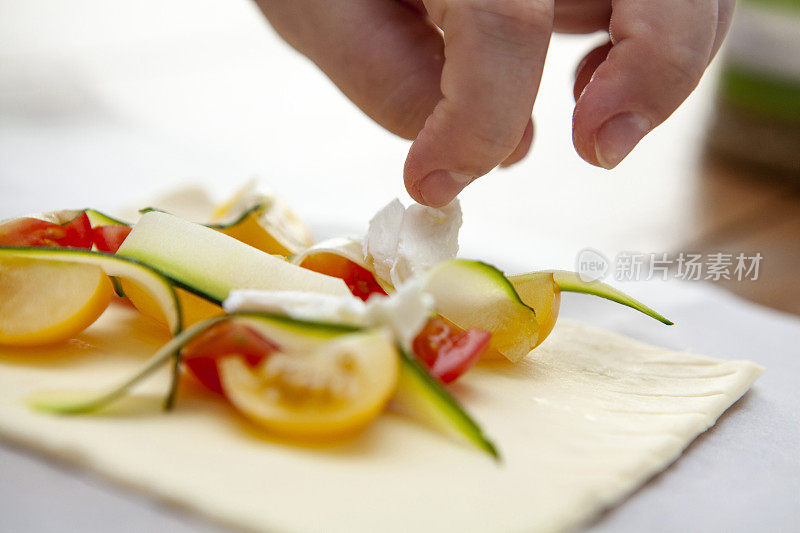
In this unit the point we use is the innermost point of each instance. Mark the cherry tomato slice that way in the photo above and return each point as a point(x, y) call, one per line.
point(31, 232)
point(109, 238)
point(358, 279)
point(26, 231)
point(447, 350)
point(223, 340)
point(79, 232)
point(362, 283)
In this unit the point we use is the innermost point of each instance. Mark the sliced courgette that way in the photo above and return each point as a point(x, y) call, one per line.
point(567, 281)
point(79, 402)
point(211, 264)
point(153, 284)
point(472, 294)
point(258, 217)
point(419, 396)
point(279, 329)
point(96, 218)
point(329, 254)
point(343, 247)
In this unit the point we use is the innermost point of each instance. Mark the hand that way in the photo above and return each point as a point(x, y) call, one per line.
point(460, 76)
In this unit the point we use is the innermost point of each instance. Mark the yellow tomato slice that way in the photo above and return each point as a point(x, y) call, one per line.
point(253, 231)
point(540, 291)
point(44, 302)
point(196, 309)
point(472, 294)
point(331, 391)
point(193, 307)
point(262, 220)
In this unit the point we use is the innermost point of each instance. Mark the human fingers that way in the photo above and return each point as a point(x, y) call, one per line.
point(495, 51)
point(661, 49)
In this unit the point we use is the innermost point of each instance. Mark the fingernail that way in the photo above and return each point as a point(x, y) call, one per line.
point(440, 187)
point(617, 137)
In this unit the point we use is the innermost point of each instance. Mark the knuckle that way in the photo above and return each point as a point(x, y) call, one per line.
point(500, 143)
point(476, 142)
point(520, 17)
point(496, 146)
point(684, 65)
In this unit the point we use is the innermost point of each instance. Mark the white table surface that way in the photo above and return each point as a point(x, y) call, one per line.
point(104, 103)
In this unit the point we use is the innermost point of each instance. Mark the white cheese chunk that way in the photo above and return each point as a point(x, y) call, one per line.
point(300, 305)
point(405, 312)
point(380, 243)
point(403, 242)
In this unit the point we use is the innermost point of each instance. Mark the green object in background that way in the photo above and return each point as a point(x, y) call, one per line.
point(791, 5)
point(762, 65)
point(761, 93)
point(758, 111)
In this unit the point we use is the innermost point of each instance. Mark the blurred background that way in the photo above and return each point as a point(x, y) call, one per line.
point(105, 103)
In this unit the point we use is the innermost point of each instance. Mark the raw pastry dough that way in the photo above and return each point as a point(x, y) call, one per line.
point(581, 423)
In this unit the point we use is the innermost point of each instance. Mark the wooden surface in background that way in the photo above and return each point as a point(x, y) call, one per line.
point(750, 209)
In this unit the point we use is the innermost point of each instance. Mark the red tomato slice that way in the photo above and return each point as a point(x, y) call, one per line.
point(447, 350)
point(358, 279)
point(109, 238)
point(26, 231)
point(361, 282)
point(79, 232)
point(223, 340)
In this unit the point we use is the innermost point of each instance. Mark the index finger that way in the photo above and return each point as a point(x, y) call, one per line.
point(494, 55)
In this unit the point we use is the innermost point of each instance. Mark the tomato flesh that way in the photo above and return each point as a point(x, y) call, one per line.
point(362, 283)
point(109, 238)
point(359, 280)
point(447, 350)
point(79, 232)
point(224, 340)
point(27, 231)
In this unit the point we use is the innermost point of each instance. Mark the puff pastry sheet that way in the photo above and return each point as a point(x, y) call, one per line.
point(581, 423)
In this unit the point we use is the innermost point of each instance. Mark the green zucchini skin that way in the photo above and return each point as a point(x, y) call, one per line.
point(84, 402)
point(97, 218)
point(211, 264)
point(571, 282)
point(419, 395)
point(114, 266)
point(474, 294)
